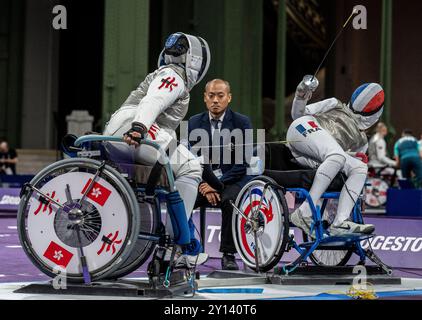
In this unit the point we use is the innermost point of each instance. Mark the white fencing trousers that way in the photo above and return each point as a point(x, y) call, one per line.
point(186, 167)
point(314, 147)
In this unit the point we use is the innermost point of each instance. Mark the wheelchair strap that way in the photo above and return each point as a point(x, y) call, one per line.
point(153, 179)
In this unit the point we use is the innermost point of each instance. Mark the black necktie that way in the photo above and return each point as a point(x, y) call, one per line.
point(214, 123)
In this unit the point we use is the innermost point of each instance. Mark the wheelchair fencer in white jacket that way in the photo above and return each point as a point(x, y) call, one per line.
point(157, 106)
point(330, 136)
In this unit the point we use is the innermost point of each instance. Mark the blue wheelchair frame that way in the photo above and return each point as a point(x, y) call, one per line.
point(307, 248)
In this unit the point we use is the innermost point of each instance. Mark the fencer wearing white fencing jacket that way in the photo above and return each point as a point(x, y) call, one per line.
point(377, 152)
point(160, 103)
point(326, 136)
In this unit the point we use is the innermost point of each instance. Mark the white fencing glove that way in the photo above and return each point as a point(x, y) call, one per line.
point(306, 87)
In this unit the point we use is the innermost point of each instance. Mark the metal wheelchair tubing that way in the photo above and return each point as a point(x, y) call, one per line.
point(304, 254)
point(91, 184)
point(316, 214)
point(317, 217)
point(150, 236)
point(260, 201)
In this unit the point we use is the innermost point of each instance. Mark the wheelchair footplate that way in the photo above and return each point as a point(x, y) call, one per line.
point(119, 287)
point(338, 275)
point(161, 283)
point(338, 242)
point(163, 273)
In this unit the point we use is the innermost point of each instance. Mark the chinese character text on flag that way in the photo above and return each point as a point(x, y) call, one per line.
point(98, 192)
point(46, 203)
point(58, 255)
point(111, 242)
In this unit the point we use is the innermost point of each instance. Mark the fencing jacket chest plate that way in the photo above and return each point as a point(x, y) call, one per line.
point(342, 126)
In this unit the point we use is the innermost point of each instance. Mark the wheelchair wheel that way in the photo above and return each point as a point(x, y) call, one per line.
point(376, 192)
point(143, 248)
point(103, 225)
point(329, 258)
point(273, 220)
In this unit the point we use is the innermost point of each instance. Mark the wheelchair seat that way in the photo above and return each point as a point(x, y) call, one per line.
point(142, 173)
point(302, 179)
point(124, 158)
point(280, 166)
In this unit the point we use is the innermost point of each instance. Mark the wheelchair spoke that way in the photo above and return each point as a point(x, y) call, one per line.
point(88, 235)
point(68, 194)
point(91, 184)
point(86, 227)
point(239, 211)
point(92, 224)
point(250, 201)
point(46, 196)
point(260, 201)
point(257, 253)
point(85, 270)
point(262, 251)
point(329, 257)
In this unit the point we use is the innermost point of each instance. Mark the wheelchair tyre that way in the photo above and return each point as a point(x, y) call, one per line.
point(143, 248)
point(329, 258)
point(109, 224)
point(275, 222)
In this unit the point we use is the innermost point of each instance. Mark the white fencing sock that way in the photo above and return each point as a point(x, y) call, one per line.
point(350, 192)
point(326, 172)
point(188, 189)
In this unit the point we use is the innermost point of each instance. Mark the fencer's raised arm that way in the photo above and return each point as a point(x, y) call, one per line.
point(321, 106)
point(163, 91)
point(302, 95)
point(298, 107)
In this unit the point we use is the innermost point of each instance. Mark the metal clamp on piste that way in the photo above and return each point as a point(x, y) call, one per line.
point(370, 254)
point(139, 128)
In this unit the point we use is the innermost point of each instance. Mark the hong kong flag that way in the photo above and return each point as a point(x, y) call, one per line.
point(58, 255)
point(98, 192)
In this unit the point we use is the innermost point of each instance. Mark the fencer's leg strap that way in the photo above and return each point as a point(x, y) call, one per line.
point(351, 190)
point(326, 172)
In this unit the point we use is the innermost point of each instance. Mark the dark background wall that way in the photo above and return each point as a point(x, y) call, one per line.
point(357, 59)
point(81, 61)
point(12, 22)
point(62, 69)
point(406, 106)
point(356, 55)
point(45, 73)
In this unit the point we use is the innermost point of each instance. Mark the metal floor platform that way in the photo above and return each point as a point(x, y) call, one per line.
point(309, 275)
point(314, 275)
point(119, 287)
point(303, 276)
point(208, 289)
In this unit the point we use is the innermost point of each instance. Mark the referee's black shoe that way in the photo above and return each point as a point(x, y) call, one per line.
point(228, 262)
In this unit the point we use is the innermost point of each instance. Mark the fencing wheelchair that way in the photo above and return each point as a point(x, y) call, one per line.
point(261, 227)
point(97, 216)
